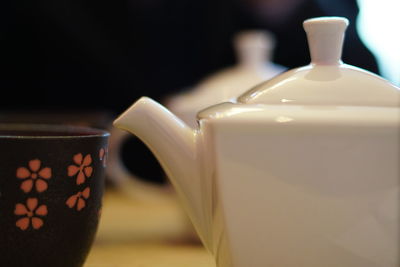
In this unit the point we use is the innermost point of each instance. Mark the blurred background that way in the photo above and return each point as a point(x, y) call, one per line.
point(70, 55)
point(86, 61)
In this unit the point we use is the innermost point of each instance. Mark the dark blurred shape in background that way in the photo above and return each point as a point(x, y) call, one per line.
point(56, 53)
point(60, 54)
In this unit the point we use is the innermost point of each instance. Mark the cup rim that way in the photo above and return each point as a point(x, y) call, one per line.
point(59, 131)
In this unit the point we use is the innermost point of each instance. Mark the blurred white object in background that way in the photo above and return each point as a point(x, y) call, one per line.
point(378, 25)
point(254, 50)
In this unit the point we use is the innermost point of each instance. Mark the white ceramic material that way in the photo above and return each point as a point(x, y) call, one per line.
point(301, 171)
point(254, 49)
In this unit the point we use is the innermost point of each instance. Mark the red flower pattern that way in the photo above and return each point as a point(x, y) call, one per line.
point(31, 211)
point(34, 175)
point(82, 169)
point(78, 199)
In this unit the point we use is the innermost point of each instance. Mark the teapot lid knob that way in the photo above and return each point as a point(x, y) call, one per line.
point(254, 47)
point(325, 39)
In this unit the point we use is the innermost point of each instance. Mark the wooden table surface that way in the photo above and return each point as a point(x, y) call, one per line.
point(133, 233)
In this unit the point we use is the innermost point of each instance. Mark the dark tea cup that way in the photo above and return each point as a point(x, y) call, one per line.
point(51, 187)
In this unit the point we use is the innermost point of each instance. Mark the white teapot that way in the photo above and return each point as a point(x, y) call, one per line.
point(302, 170)
point(254, 50)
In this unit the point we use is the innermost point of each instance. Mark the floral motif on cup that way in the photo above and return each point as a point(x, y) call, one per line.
point(81, 168)
point(31, 213)
point(34, 175)
point(78, 200)
point(103, 156)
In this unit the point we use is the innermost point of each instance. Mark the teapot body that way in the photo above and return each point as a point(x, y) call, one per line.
point(305, 186)
point(300, 171)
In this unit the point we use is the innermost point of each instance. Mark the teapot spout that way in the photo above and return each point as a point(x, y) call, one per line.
point(175, 145)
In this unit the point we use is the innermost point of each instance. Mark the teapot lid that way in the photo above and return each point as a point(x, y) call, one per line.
point(327, 80)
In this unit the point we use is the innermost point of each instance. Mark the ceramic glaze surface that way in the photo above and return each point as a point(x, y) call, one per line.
point(313, 189)
point(340, 84)
point(51, 187)
point(301, 171)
